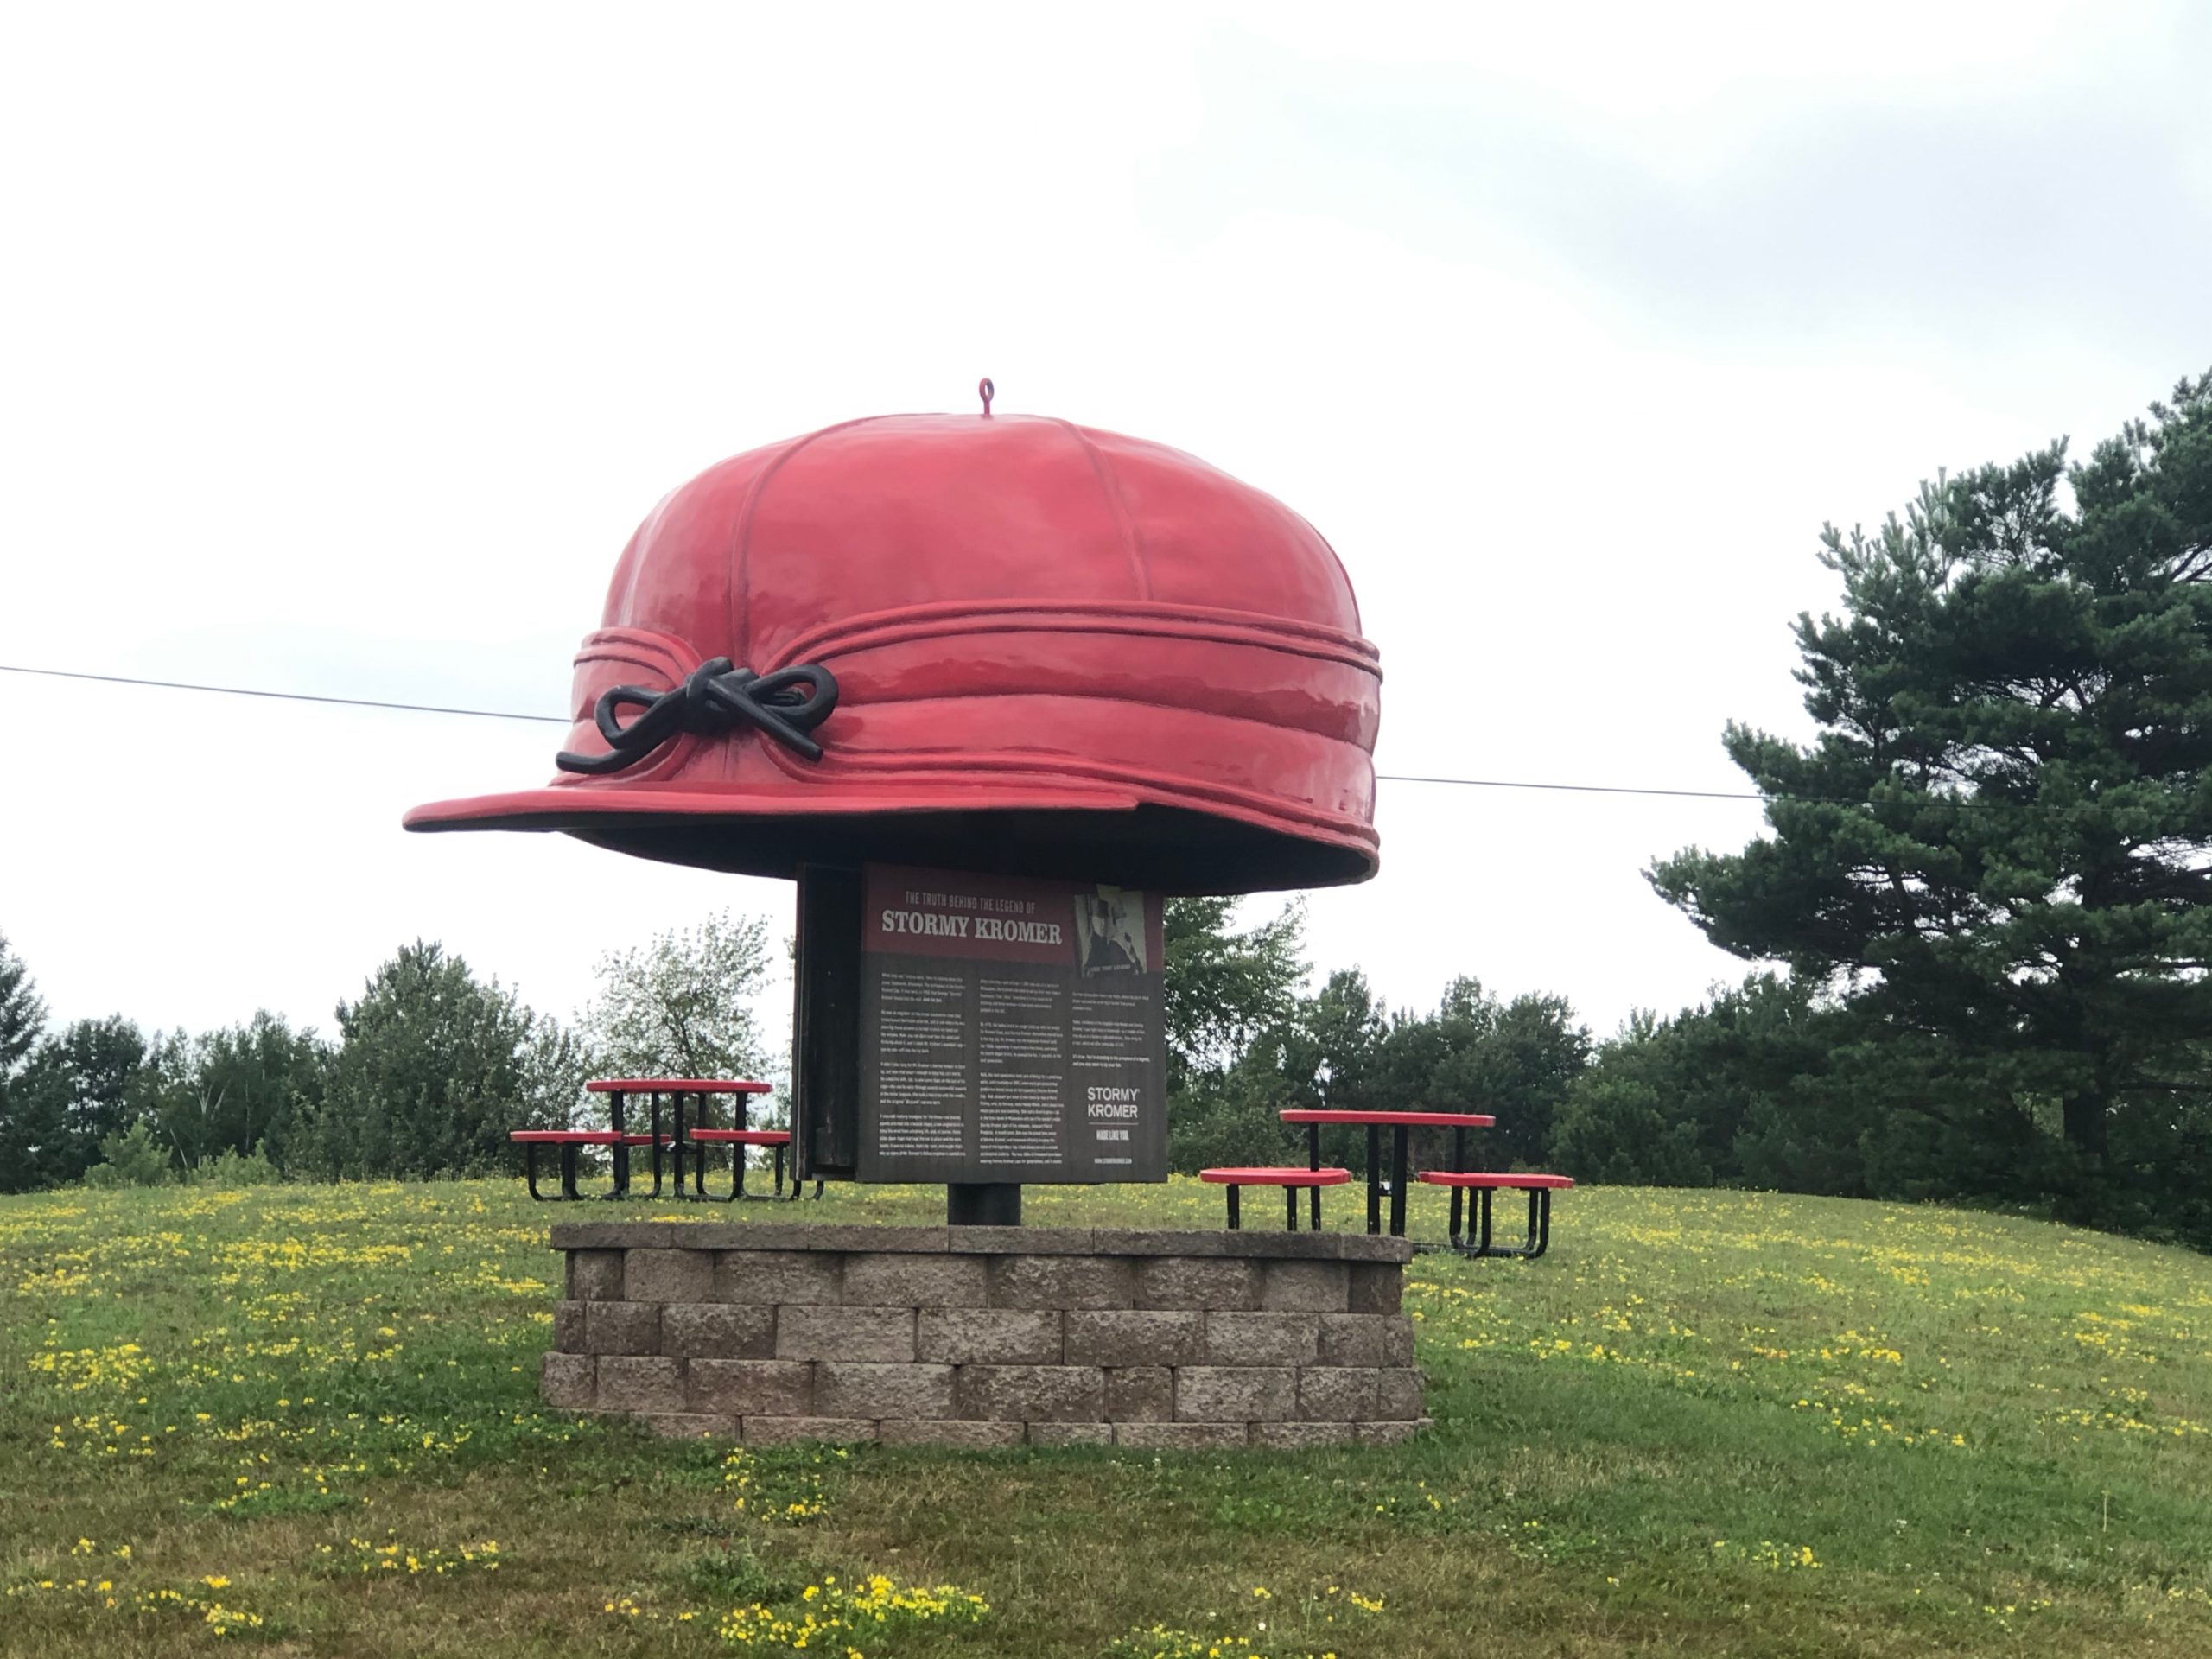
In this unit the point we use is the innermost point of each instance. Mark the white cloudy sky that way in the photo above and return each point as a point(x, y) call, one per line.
point(341, 348)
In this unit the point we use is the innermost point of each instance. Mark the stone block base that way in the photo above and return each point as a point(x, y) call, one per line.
point(984, 1337)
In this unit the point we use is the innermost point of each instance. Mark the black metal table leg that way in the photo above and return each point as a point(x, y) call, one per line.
point(1458, 1196)
point(1373, 1179)
point(621, 1152)
point(1234, 1220)
point(1398, 1134)
point(1290, 1207)
point(1313, 1161)
point(529, 1170)
point(1483, 1248)
point(569, 1172)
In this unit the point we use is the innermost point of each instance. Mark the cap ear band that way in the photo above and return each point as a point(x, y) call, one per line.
point(714, 697)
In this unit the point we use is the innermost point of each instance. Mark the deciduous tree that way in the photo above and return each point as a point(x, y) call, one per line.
point(1226, 985)
point(80, 1084)
point(684, 1004)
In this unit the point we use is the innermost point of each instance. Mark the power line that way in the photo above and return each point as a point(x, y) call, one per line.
point(556, 719)
point(1380, 777)
point(1594, 789)
point(281, 696)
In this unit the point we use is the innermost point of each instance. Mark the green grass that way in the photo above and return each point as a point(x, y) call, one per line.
point(1708, 1423)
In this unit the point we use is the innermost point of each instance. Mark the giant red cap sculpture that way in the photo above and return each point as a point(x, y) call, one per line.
point(980, 642)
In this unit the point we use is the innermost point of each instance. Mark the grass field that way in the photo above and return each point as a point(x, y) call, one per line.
point(303, 1419)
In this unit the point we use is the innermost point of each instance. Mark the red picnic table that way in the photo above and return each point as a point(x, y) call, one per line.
point(1399, 1123)
point(698, 1138)
point(620, 1137)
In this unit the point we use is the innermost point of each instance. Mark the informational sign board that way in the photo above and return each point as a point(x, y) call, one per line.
point(1011, 1030)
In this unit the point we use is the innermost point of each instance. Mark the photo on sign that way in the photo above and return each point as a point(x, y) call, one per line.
point(1110, 933)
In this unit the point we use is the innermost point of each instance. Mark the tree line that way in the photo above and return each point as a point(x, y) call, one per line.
point(429, 1069)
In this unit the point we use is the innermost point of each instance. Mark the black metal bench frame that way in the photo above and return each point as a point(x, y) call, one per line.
point(1534, 1244)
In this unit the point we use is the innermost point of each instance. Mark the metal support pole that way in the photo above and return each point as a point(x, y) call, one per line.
point(1234, 1220)
point(1373, 1179)
point(983, 1204)
point(1398, 1181)
point(655, 1098)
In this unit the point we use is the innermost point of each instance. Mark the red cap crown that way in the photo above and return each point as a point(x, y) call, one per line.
point(1054, 652)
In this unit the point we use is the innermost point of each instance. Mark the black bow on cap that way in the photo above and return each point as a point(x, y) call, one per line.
point(714, 697)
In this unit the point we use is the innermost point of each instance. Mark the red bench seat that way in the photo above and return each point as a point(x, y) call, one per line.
point(1539, 1188)
point(737, 1140)
point(1291, 1180)
point(568, 1141)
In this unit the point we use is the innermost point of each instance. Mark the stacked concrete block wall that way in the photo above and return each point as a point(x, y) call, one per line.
point(986, 1335)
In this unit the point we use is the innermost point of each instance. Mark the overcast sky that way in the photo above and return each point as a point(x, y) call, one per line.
point(341, 349)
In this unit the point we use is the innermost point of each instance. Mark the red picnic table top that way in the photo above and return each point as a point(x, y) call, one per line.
point(1411, 1120)
point(675, 1086)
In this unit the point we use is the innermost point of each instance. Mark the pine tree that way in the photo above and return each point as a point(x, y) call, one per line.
point(22, 1012)
point(22, 1019)
point(432, 1072)
point(2001, 837)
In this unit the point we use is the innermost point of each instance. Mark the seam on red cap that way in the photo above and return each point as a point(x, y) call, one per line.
point(736, 568)
point(1110, 486)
